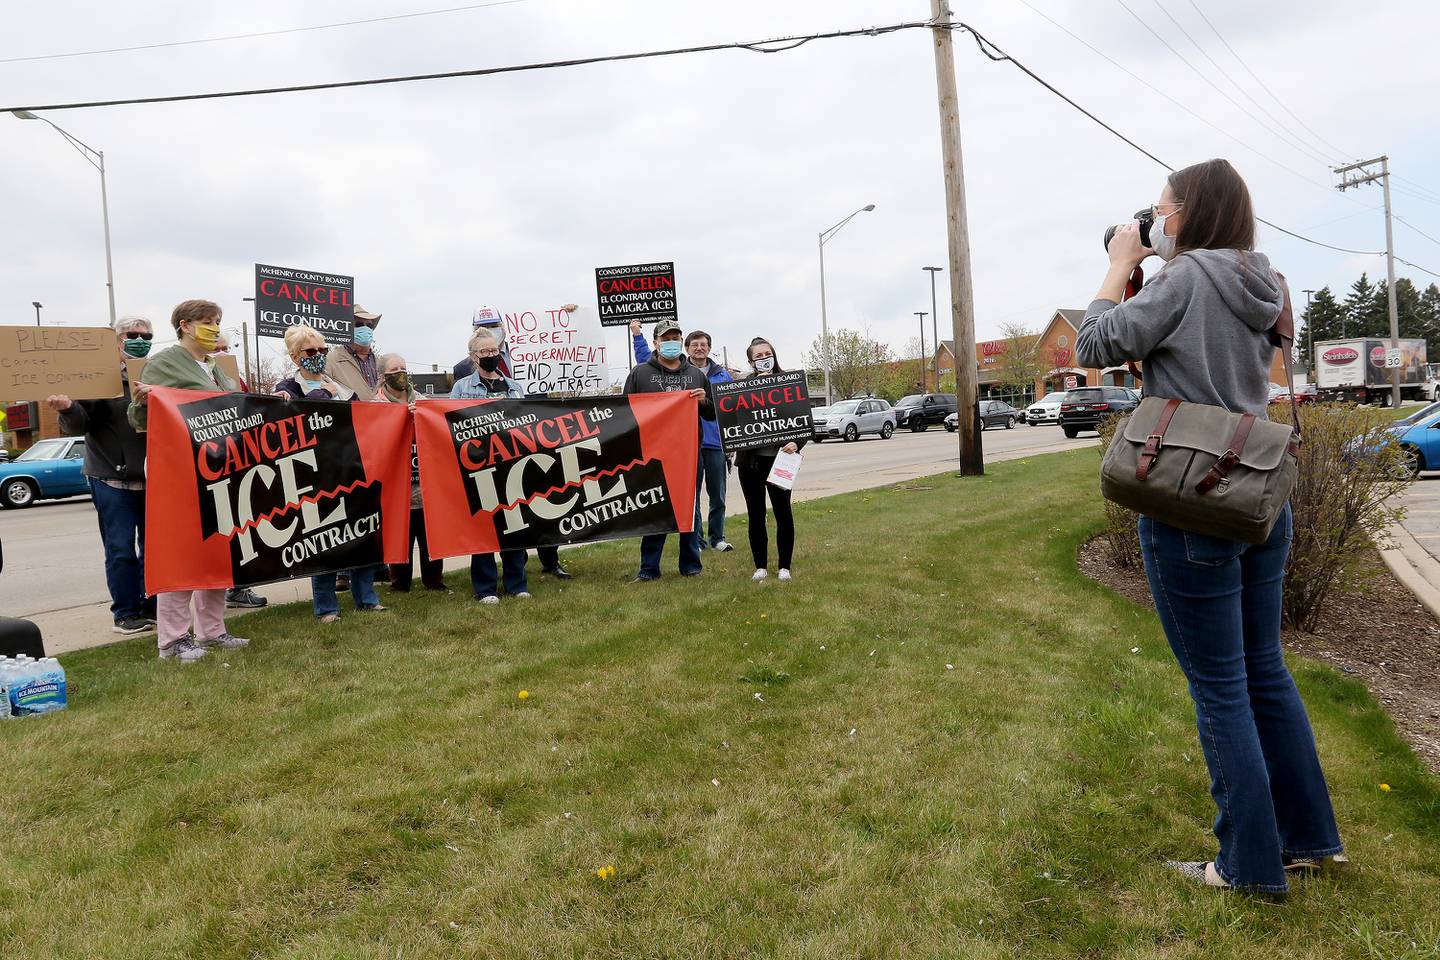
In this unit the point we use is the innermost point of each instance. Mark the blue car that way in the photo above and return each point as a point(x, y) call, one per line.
point(1419, 438)
point(49, 469)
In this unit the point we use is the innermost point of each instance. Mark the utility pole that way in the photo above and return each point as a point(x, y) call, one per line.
point(921, 315)
point(245, 341)
point(1310, 332)
point(934, 321)
point(962, 294)
point(37, 305)
point(1362, 174)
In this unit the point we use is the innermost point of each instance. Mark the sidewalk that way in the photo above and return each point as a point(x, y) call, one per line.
point(1413, 553)
point(82, 627)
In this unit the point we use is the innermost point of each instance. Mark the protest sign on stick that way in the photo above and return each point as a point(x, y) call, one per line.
point(641, 291)
point(286, 297)
point(763, 411)
point(557, 351)
point(514, 474)
point(80, 362)
point(258, 488)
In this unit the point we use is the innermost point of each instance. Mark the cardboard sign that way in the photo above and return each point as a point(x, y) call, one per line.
point(763, 411)
point(552, 351)
point(642, 291)
point(286, 297)
point(512, 474)
point(36, 362)
point(258, 488)
point(227, 364)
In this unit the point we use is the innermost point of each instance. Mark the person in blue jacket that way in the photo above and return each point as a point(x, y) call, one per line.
point(714, 465)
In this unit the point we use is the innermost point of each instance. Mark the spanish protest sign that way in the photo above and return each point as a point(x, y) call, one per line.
point(286, 297)
point(557, 351)
point(81, 362)
point(259, 488)
point(641, 291)
point(763, 411)
point(503, 474)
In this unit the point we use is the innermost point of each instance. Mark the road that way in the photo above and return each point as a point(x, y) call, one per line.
point(55, 574)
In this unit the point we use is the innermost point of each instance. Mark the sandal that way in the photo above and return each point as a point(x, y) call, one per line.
point(374, 608)
point(1315, 864)
point(1203, 873)
point(329, 618)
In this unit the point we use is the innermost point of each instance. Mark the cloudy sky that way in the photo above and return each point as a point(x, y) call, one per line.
point(443, 196)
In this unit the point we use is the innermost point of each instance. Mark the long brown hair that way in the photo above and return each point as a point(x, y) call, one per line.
point(1218, 213)
point(750, 351)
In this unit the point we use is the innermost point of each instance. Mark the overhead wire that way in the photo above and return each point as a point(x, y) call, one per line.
point(1417, 187)
point(1416, 229)
point(253, 36)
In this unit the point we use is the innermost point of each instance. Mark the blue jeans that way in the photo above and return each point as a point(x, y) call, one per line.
point(1219, 602)
point(362, 588)
point(712, 471)
point(653, 545)
point(483, 579)
point(122, 533)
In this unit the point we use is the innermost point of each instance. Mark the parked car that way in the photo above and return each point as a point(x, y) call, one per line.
point(1046, 409)
point(1418, 435)
point(1305, 393)
point(993, 413)
point(48, 470)
point(1084, 407)
point(850, 419)
point(920, 411)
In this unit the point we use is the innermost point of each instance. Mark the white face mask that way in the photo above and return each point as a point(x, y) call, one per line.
point(764, 364)
point(1163, 246)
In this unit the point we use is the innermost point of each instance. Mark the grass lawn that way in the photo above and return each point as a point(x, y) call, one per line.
point(939, 741)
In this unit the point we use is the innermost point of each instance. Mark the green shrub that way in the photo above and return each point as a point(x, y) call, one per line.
point(1122, 537)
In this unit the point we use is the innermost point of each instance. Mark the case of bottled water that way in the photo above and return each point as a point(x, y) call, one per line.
point(31, 686)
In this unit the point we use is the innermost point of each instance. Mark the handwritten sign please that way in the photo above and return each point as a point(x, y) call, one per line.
point(81, 362)
point(556, 352)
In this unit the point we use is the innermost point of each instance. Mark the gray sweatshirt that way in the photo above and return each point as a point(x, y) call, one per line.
point(1201, 328)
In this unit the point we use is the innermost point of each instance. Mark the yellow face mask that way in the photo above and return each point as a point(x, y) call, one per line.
point(207, 334)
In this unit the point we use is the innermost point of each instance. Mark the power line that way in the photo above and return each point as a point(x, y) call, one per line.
point(1416, 229)
point(1418, 187)
point(1417, 267)
point(757, 46)
point(1406, 192)
point(252, 36)
point(1264, 86)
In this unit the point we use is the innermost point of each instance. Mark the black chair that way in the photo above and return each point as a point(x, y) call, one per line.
point(19, 636)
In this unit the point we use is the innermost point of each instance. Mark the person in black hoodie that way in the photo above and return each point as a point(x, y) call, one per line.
point(115, 466)
point(754, 468)
point(665, 371)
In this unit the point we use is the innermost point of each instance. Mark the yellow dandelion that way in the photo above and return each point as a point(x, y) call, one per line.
point(764, 616)
point(1385, 787)
point(601, 873)
point(524, 694)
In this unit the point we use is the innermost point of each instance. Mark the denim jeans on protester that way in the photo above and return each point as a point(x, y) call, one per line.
point(712, 472)
point(121, 514)
point(483, 575)
point(652, 546)
point(1219, 602)
point(326, 600)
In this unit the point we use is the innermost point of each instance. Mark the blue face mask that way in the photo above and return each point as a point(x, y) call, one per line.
point(671, 349)
point(364, 336)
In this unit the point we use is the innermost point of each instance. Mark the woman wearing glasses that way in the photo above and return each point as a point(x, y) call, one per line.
point(487, 382)
point(310, 382)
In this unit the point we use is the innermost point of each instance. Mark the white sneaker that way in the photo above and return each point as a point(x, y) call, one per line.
point(523, 595)
point(186, 650)
point(490, 599)
point(723, 546)
point(759, 575)
point(784, 574)
point(227, 641)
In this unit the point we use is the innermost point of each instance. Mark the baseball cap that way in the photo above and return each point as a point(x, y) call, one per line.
point(486, 317)
point(664, 327)
point(362, 314)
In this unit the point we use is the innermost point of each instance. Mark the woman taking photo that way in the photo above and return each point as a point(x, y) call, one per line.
point(188, 622)
point(308, 352)
point(754, 467)
point(1201, 328)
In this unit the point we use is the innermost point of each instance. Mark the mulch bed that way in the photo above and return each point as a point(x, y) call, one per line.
point(1385, 638)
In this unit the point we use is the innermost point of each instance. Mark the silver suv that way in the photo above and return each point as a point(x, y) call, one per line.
point(848, 419)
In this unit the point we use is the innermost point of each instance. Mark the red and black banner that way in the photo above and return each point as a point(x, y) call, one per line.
point(513, 474)
point(244, 489)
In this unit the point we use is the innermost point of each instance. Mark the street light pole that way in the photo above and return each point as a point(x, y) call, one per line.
point(921, 315)
point(935, 322)
point(1310, 331)
point(96, 159)
point(824, 321)
point(37, 305)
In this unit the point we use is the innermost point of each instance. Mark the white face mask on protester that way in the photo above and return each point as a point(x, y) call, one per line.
point(1164, 246)
point(764, 364)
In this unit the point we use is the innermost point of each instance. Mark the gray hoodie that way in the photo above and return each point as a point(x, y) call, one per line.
point(1201, 327)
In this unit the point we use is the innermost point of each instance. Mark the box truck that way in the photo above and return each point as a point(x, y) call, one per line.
point(1354, 370)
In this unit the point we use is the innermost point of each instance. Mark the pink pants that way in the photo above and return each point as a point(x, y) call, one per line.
point(172, 614)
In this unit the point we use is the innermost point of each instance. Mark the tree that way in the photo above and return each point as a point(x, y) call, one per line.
point(1020, 363)
point(269, 371)
point(1407, 310)
point(1429, 322)
point(856, 359)
point(1360, 314)
point(1323, 320)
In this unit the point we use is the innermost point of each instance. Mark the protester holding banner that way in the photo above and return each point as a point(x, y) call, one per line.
point(115, 468)
point(354, 365)
point(754, 465)
point(185, 365)
point(666, 371)
point(239, 598)
point(487, 382)
point(309, 352)
point(395, 388)
point(714, 465)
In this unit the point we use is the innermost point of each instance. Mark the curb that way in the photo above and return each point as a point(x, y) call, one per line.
point(1412, 565)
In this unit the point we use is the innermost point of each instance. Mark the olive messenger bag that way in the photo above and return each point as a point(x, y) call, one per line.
point(1204, 469)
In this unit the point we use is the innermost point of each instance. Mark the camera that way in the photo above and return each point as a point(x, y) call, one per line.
point(1145, 218)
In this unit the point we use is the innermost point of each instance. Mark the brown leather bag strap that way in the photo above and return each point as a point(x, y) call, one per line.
point(1153, 442)
point(1283, 333)
point(1229, 458)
